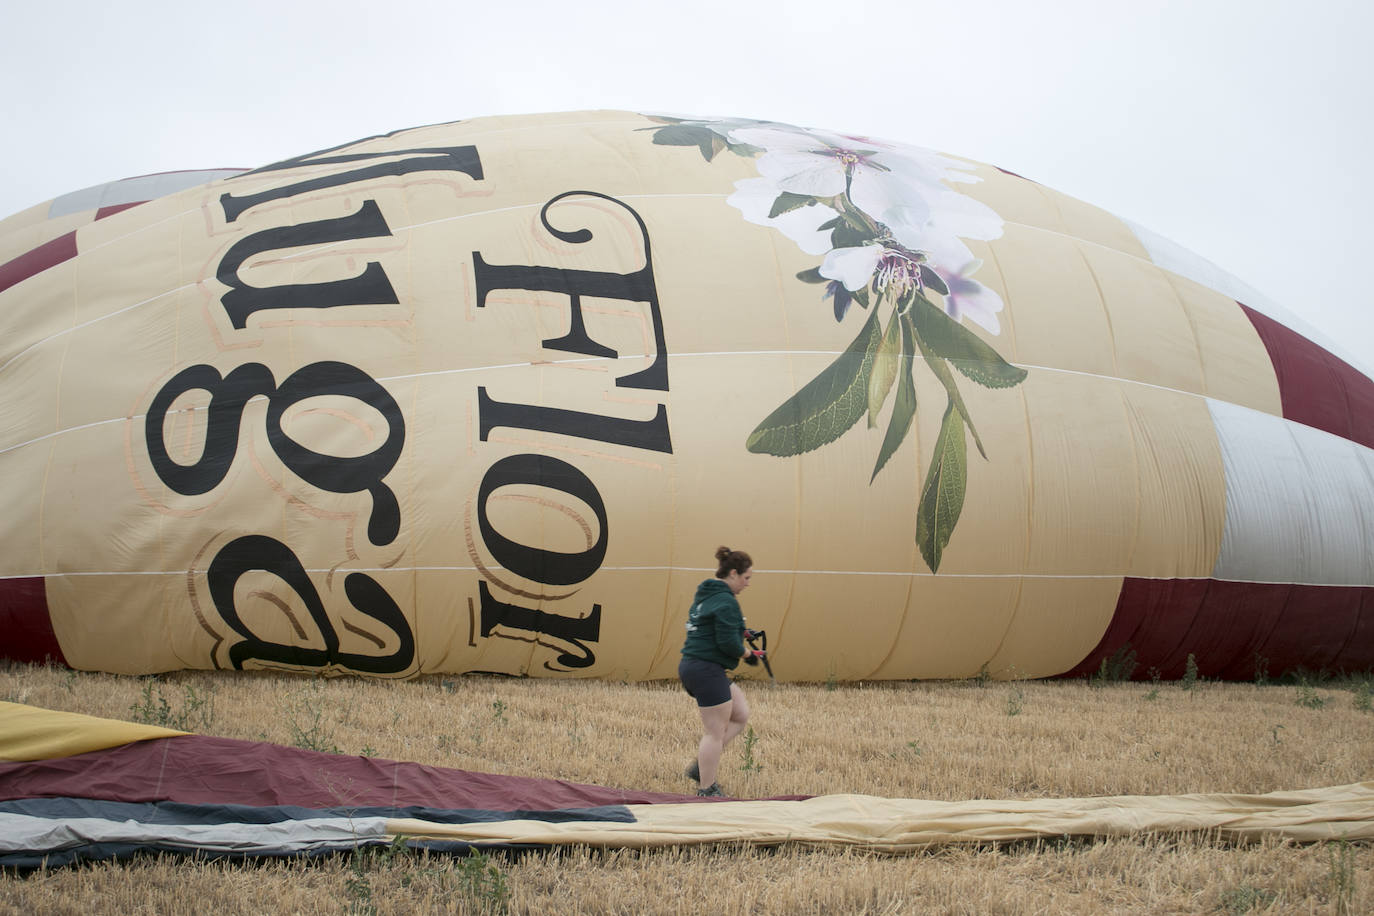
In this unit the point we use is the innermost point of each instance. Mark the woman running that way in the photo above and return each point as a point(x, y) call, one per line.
point(715, 644)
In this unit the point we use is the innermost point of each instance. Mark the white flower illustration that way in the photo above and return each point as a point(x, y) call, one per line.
point(890, 231)
point(894, 270)
point(971, 299)
point(755, 197)
point(902, 189)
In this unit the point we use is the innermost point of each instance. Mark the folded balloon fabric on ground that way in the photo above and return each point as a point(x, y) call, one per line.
point(76, 788)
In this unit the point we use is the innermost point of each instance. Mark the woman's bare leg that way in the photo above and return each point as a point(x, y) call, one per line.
point(721, 724)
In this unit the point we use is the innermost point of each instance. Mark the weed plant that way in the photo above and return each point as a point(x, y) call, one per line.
point(748, 762)
point(1016, 700)
point(310, 727)
point(1189, 681)
point(1308, 698)
point(1153, 693)
point(1364, 697)
point(1119, 667)
point(196, 712)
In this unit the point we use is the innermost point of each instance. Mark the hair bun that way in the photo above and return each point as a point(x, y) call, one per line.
point(736, 560)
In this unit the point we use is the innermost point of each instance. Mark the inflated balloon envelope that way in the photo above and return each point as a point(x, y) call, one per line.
point(486, 396)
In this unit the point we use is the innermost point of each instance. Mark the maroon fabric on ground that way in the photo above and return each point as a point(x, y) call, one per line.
point(198, 769)
point(1231, 628)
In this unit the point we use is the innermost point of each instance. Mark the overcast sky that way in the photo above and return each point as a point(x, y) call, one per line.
point(1238, 128)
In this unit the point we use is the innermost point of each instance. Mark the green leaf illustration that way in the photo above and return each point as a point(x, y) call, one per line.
point(942, 496)
point(965, 350)
point(812, 275)
point(903, 405)
point(826, 406)
point(851, 229)
point(705, 139)
point(933, 280)
point(884, 368)
point(787, 202)
point(941, 369)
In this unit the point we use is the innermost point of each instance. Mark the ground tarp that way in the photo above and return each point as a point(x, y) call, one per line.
point(147, 789)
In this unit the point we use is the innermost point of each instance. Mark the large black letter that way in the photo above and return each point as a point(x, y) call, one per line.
point(255, 551)
point(550, 567)
point(228, 395)
point(371, 287)
point(636, 286)
point(336, 473)
point(649, 434)
point(568, 629)
point(432, 159)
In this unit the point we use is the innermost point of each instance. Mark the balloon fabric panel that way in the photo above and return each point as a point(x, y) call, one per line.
point(485, 396)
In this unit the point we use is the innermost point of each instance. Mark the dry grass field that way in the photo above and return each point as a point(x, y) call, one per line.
point(937, 740)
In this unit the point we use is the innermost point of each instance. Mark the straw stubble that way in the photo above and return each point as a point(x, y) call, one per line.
point(935, 740)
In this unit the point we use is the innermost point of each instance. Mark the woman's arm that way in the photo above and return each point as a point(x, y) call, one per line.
point(730, 628)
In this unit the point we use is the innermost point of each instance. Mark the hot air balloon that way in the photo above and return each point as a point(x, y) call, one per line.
point(486, 396)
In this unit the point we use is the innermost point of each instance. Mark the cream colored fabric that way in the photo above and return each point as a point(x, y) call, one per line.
point(907, 825)
point(30, 733)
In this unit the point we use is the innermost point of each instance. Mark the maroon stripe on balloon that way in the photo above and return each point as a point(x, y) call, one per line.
point(116, 208)
point(25, 625)
point(49, 254)
point(1235, 630)
point(1316, 387)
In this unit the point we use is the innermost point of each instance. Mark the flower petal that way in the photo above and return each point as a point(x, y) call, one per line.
point(852, 266)
point(972, 300)
point(887, 198)
point(803, 172)
point(793, 139)
point(754, 198)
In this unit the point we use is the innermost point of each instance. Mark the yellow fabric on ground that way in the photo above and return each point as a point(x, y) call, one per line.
point(30, 733)
point(908, 825)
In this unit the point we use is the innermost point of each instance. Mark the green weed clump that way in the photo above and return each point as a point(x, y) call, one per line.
point(1189, 681)
point(196, 713)
point(1342, 872)
point(1247, 899)
point(1119, 667)
point(474, 882)
point(1364, 697)
point(483, 884)
point(751, 741)
point(1307, 696)
point(1153, 693)
point(310, 727)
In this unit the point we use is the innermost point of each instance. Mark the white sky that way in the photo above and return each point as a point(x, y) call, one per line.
point(1238, 128)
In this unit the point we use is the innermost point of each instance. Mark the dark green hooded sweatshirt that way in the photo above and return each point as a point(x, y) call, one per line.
point(715, 626)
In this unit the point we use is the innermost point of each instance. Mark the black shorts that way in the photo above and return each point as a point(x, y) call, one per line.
point(705, 681)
